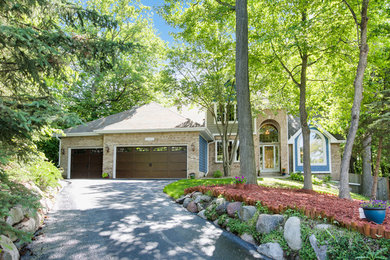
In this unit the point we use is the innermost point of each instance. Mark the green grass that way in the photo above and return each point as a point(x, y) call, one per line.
point(176, 189)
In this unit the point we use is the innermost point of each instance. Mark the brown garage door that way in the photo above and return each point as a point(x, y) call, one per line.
point(86, 163)
point(151, 162)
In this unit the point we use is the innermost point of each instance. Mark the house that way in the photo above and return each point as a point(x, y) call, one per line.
point(152, 141)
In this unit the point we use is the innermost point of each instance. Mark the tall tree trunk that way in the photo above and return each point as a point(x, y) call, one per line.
point(247, 151)
point(358, 96)
point(376, 171)
point(307, 185)
point(366, 158)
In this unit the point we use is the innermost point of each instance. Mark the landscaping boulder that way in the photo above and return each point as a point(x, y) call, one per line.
point(27, 226)
point(8, 250)
point(271, 250)
point(267, 223)
point(181, 199)
point(323, 226)
point(192, 207)
point(202, 198)
point(202, 215)
point(221, 206)
point(15, 215)
point(246, 213)
point(200, 206)
point(196, 194)
point(186, 202)
point(233, 208)
point(320, 251)
point(248, 238)
point(292, 233)
point(216, 222)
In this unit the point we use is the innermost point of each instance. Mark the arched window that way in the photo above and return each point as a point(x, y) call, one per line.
point(269, 134)
point(317, 148)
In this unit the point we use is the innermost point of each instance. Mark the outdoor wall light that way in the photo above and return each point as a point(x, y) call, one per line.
point(62, 151)
point(107, 149)
point(193, 147)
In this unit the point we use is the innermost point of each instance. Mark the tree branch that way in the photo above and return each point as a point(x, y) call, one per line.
point(284, 66)
point(355, 18)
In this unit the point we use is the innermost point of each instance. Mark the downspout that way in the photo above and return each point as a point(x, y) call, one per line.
point(59, 151)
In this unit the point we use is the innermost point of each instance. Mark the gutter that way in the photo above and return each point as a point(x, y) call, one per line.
point(59, 150)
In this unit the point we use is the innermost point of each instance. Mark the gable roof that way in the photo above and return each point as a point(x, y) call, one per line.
point(151, 117)
point(294, 129)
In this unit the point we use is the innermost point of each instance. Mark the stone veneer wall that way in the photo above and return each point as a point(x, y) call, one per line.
point(335, 160)
point(189, 139)
point(77, 142)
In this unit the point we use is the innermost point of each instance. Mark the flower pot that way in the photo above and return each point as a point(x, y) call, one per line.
point(240, 186)
point(376, 215)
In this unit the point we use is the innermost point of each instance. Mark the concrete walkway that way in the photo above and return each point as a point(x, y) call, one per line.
point(130, 219)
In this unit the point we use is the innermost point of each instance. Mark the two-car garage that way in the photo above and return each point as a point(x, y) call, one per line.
point(132, 162)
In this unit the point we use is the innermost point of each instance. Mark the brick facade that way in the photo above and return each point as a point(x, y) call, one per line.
point(110, 141)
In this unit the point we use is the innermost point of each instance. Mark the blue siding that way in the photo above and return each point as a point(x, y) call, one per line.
point(202, 154)
point(314, 168)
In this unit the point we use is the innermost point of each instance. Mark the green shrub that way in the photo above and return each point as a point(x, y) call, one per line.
point(43, 173)
point(217, 174)
point(296, 176)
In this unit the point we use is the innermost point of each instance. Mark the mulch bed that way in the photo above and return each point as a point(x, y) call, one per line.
point(311, 203)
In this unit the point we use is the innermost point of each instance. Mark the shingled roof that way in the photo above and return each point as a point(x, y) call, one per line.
point(151, 116)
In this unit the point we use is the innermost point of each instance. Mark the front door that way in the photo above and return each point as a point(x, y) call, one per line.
point(269, 158)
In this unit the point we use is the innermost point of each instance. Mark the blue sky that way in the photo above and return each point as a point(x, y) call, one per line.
point(161, 26)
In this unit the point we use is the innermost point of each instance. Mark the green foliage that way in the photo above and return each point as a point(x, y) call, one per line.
point(12, 194)
point(298, 176)
point(49, 146)
point(239, 227)
point(105, 175)
point(43, 173)
point(261, 209)
point(211, 212)
point(176, 189)
point(217, 174)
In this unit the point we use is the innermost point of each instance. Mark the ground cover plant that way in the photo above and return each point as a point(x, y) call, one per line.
point(338, 211)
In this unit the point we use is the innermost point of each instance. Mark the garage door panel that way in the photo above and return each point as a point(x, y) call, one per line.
point(86, 163)
point(152, 162)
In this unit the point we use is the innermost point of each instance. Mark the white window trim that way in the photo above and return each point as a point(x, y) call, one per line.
point(216, 151)
point(325, 163)
point(230, 121)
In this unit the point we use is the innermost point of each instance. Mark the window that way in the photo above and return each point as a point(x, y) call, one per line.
point(178, 148)
point(317, 149)
point(219, 151)
point(269, 134)
point(226, 110)
point(160, 149)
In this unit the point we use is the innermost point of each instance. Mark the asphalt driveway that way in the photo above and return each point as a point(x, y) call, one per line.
point(130, 219)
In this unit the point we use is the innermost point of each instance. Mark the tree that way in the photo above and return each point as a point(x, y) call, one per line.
point(197, 75)
point(197, 21)
point(35, 46)
point(247, 163)
point(94, 92)
point(296, 50)
point(361, 28)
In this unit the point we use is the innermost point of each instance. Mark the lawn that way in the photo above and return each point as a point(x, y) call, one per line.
point(176, 189)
